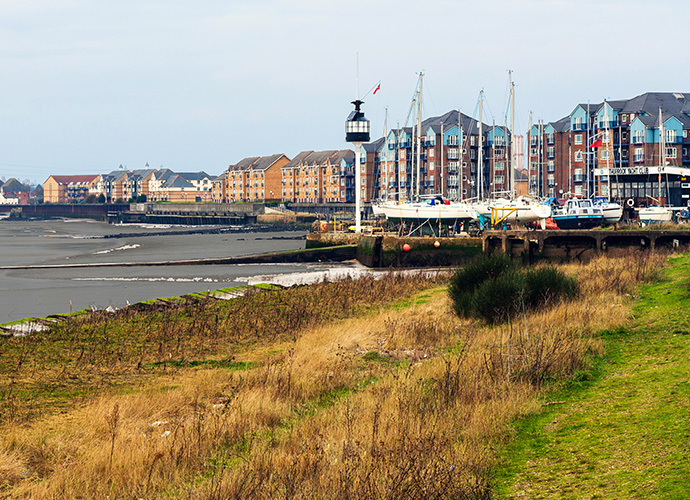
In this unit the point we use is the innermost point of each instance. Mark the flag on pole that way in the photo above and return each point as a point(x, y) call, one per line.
point(378, 87)
point(597, 143)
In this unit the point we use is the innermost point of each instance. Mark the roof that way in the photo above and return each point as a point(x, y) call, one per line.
point(297, 160)
point(266, 162)
point(562, 125)
point(14, 186)
point(373, 147)
point(194, 176)
point(67, 179)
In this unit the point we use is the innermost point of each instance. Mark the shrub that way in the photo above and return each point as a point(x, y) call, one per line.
point(548, 284)
point(466, 280)
point(494, 289)
point(498, 299)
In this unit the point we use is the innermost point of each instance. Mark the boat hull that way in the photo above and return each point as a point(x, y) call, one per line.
point(578, 221)
point(422, 211)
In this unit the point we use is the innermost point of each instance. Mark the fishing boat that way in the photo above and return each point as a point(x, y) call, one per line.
point(578, 214)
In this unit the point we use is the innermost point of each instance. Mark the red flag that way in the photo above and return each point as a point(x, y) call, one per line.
point(596, 143)
point(377, 88)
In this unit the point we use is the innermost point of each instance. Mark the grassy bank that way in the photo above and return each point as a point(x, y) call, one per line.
point(364, 389)
point(622, 430)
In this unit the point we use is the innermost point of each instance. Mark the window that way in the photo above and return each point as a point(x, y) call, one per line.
point(499, 152)
point(670, 152)
point(551, 180)
point(550, 166)
point(431, 165)
point(452, 140)
point(605, 154)
point(499, 179)
point(453, 154)
point(639, 155)
point(578, 155)
point(431, 153)
point(578, 189)
point(578, 138)
point(472, 140)
point(670, 136)
point(638, 138)
point(499, 140)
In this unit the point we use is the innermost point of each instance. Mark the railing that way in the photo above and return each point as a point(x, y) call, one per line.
point(578, 178)
point(637, 140)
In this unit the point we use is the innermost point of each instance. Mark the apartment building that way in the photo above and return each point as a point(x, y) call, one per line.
point(69, 188)
point(447, 158)
point(633, 150)
point(324, 177)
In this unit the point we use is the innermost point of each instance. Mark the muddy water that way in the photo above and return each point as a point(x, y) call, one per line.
point(38, 293)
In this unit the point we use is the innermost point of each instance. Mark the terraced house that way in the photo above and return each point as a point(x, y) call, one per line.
point(323, 177)
point(634, 150)
point(255, 178)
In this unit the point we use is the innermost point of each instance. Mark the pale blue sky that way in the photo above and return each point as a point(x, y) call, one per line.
point(88, 85)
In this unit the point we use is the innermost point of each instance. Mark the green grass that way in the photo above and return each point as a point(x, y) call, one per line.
point(622, 429)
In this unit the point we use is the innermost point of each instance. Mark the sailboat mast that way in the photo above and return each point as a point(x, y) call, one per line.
point(419, 132)
point(512, 136)
point(480, 170)
point(386, 155)
point(662, 150)
point(461, 146)
point(441, 160)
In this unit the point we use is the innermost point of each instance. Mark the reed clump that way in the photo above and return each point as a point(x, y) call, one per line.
point(376, 390)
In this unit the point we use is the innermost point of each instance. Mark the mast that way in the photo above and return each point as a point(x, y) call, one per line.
point(419, 131)
point(529, 150)
point(385, 151)
point(441, 160)
point(662, 150)
point(511, 163)
point(461, 145)
point(608, 153)
point(480, 170)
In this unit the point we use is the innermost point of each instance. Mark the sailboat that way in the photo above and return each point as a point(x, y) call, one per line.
point(434, 208)
point(657, 213)
point(511, 210)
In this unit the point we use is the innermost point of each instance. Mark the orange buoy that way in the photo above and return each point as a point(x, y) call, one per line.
point(437, 244)
point(406, 247)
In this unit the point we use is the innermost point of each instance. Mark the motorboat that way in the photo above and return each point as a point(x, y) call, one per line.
point(578, 214)
point(612, 211)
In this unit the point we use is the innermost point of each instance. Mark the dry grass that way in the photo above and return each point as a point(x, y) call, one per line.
point(395, 402)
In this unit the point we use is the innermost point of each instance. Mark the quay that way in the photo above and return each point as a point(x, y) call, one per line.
point(579, 244)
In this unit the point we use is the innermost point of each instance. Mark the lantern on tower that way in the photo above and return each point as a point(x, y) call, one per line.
point(357, 132)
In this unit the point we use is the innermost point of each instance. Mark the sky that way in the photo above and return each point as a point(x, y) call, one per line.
point(86, 86)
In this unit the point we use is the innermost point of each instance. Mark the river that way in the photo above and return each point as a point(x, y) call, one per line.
point(28, 293)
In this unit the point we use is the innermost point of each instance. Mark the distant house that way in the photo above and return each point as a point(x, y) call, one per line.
point(219, 192)
point(12, 190)
point(184, 187)
point(69, 188)
point(321, 177)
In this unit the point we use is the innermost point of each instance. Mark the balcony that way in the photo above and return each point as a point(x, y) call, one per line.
point(638, 159)
point(579, 127)
point(578, 178)
point(637, 140)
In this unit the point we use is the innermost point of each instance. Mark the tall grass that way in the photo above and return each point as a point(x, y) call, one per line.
point(402, 400)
